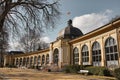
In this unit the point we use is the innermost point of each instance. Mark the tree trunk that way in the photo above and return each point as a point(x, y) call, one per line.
point(1, 25)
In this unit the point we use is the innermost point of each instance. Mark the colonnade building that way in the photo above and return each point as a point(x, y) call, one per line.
point(100, 47)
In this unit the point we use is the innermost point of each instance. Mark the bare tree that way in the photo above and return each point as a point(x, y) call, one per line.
point(32, 41)
point(3, 45)
point(42, 45)
point(36, 13)
point(20, 15)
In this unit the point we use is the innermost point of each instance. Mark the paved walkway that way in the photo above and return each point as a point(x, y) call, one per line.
point(30, 74)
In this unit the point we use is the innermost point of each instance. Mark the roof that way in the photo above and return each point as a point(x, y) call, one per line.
point(107, 27)
point(69, 32)
point(15, 52)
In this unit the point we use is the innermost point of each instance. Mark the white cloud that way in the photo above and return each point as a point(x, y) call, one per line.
point(46, 39)
point(89, 22)
point(15, 46)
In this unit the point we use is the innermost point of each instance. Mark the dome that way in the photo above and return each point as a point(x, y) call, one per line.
point(69, 32)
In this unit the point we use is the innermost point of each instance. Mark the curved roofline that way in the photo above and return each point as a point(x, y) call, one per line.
point(106, 27)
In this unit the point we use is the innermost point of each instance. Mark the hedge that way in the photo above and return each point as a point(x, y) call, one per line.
point(101, 71)
point(117, 73)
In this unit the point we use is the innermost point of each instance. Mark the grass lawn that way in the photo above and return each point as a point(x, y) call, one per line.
point(31, 74)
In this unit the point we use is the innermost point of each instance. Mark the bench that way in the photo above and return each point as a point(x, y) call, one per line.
point(83, 72)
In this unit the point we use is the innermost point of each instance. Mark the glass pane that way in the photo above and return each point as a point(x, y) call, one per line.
point(111, 41)
point(111, 49)
point(116, 56)
point(87, 53)
point(93, 58)
point(112, 56)
point(106, 50)
point(99, 51)
point(87, 59)
point(99, 58)
point(115, 48)
point(93, 53)
point(83, 59)
point(107, 43)
point(107, 57)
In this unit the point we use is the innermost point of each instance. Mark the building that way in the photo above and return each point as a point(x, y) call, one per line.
point(100, 47)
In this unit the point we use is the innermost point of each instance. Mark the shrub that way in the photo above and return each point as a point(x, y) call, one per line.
point(101, 71)
point(72, 68)
point(11, 66)
point(117, 73)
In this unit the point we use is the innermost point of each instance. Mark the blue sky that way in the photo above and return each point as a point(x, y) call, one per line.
point(87, 15)
point(95, 12)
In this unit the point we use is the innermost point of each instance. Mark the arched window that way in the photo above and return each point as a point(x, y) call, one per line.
point(27, 61)
point(24, 61)
point(20, 61)
point(17, 61)
point(35, 60)
point(75, 56)
point(43, 59)
point(111, 52)
point(31, 60)
point(85, 55)
point(96, 54)
point(39, 57)
point(55, 56)
point(47, 58)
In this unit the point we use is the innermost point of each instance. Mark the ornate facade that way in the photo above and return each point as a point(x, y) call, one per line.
point(100, 47)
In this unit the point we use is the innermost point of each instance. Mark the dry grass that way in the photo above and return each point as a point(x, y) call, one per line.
point(29, 74)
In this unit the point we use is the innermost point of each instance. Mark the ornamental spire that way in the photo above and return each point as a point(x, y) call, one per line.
point(70, 22)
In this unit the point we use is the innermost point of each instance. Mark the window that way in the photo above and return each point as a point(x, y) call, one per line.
point(96, 54)
point(27, 61)
point(85, 54)
point(31, 59)
point(111, 49)
point(111, 52)
point(75, 56)
point(20, 61)
point(55, 56)
point(47, 58)
point(43, 59)
point(24, 61)
point(35, 60)
point(17, 61)
point(39, 57)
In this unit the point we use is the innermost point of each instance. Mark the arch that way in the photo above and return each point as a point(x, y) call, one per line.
point(56, 56)
point(20, 61)
point(27, 61)
point(75, 56)
point(35, 60)
point(31, 60)
point(47, 59)
point(39, 61)
point(85, 55)
point(17, 62)
point(111, 52)
point(24, 61)
point(43, 59)
point(96, 54)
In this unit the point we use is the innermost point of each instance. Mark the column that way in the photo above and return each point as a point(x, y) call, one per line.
point(50, 57)
point(15, 61)
point(60, 57)
point(60, 54)
point(80, 55)
point(90, 53)
point(103, 61)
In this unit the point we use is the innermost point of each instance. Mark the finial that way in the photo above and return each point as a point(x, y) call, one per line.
point(70, 22)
